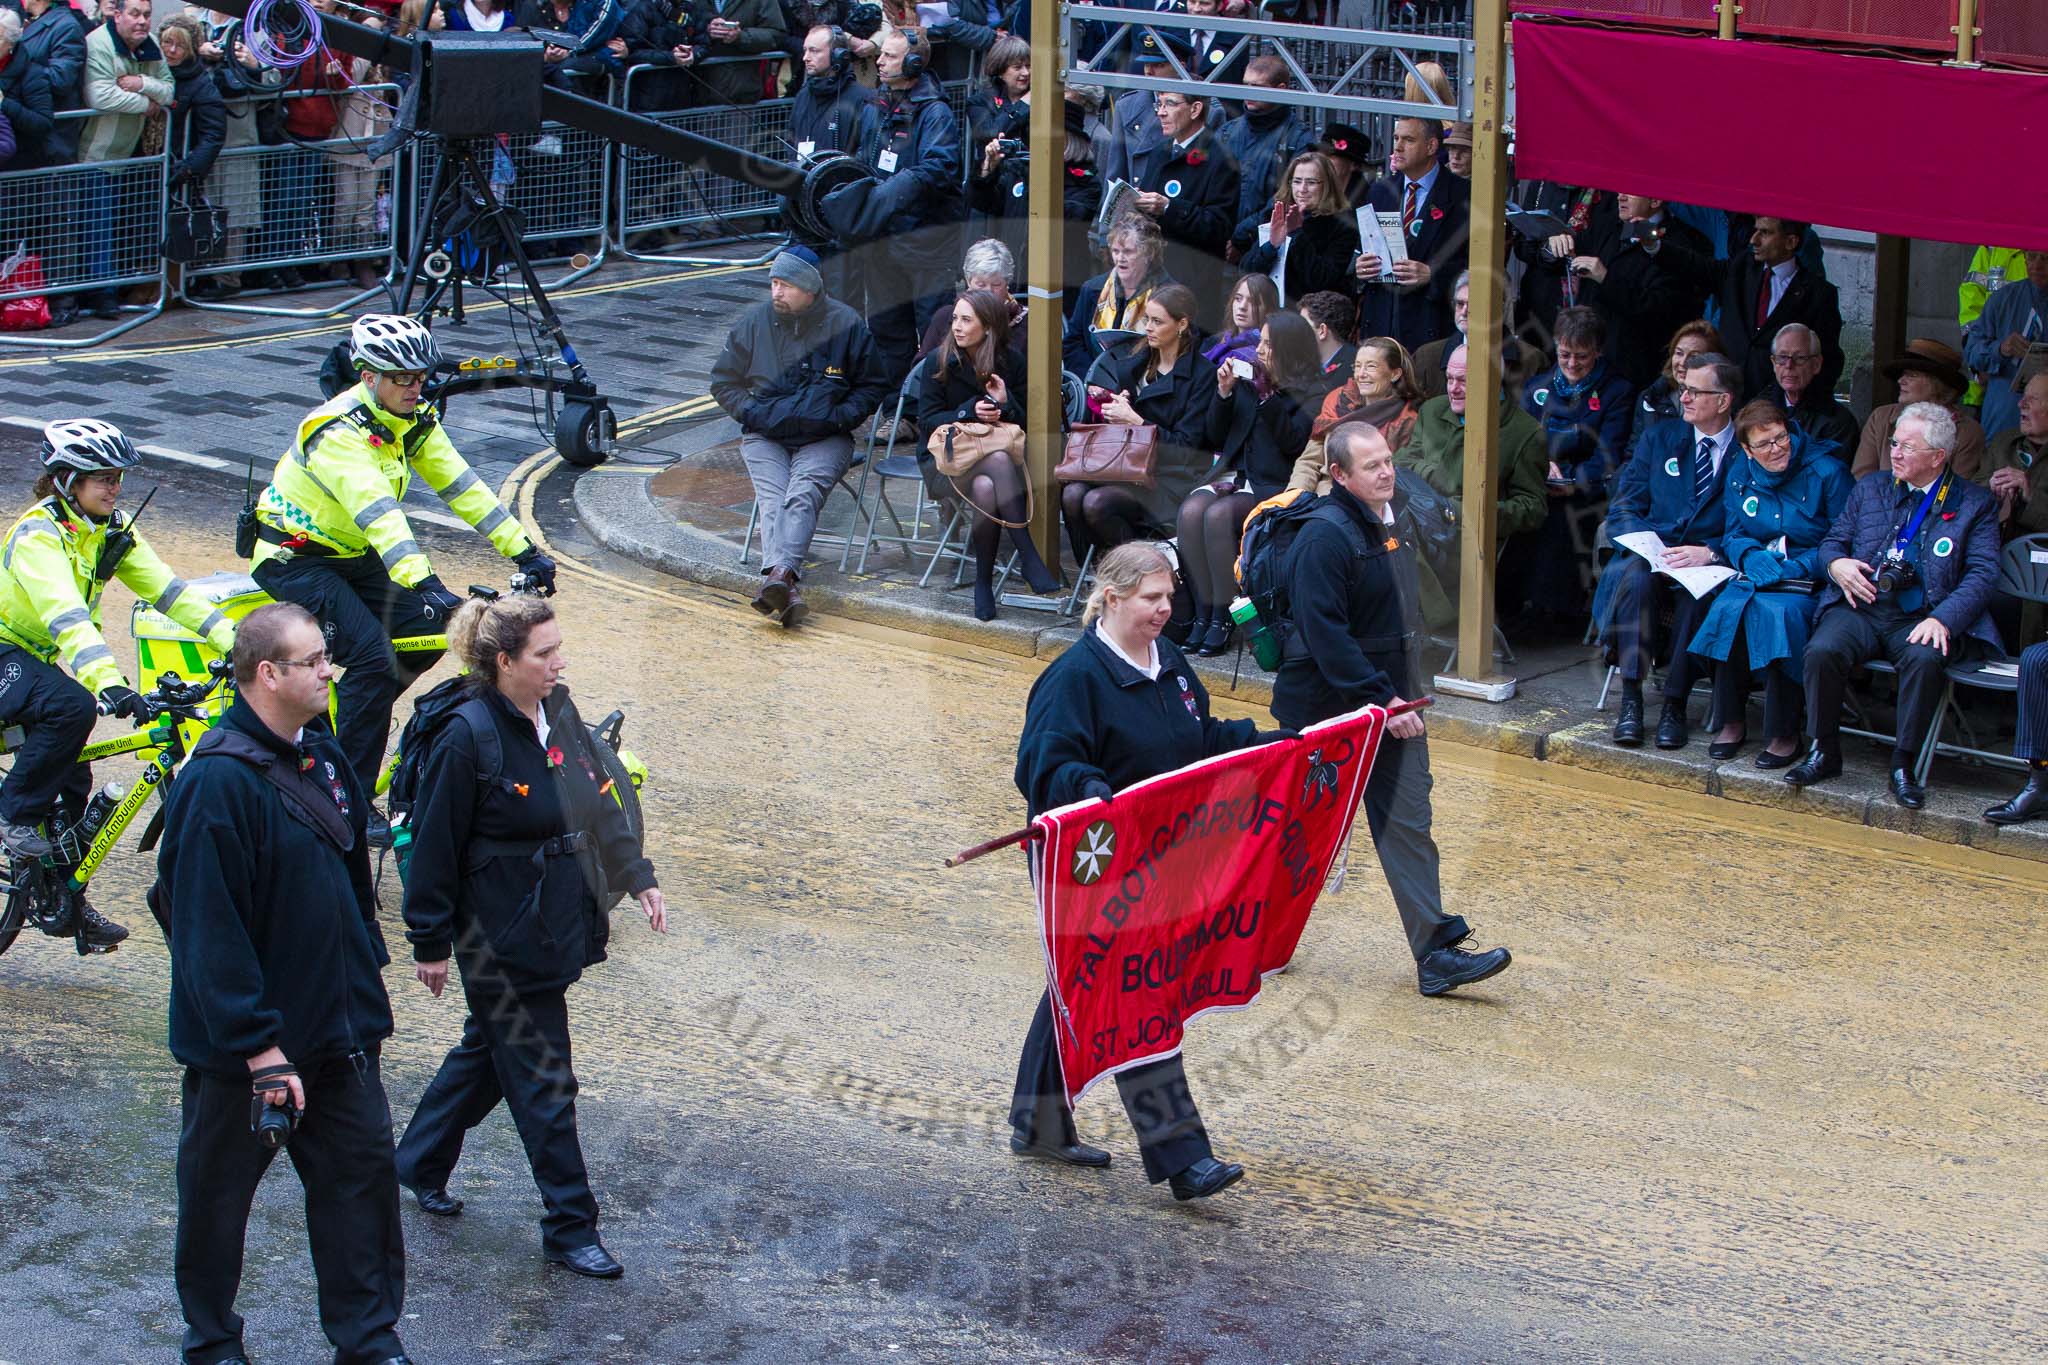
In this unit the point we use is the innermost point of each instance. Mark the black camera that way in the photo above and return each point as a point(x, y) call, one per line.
point(1895, 573)
point(863, 21)
point(273, 1124)
point(1012, 148)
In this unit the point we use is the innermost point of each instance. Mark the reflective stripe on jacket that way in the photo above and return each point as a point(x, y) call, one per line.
point(341, 483)
point(50, 591)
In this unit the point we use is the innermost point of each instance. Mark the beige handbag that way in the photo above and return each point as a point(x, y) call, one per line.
point(957, 447)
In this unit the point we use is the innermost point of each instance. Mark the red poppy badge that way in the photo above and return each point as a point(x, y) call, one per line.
point(1436, 215)
point(1196, 158)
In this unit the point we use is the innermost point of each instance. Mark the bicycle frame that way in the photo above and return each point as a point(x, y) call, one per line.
point(167, 749)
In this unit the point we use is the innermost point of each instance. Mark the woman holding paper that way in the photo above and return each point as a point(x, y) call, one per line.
point(1118, 707)
point(1780, 501)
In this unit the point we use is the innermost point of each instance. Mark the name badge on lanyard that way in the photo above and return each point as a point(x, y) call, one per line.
point(806, 147)
point(886, 162)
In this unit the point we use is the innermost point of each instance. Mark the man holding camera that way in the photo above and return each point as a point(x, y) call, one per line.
point(1912, 562)
point(278, 1008)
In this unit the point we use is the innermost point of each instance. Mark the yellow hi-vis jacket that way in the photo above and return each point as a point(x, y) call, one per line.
point(340, 484)
point(50, 591)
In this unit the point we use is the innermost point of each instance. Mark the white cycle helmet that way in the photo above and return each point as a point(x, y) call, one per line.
point(86, 445)
point(388, 342)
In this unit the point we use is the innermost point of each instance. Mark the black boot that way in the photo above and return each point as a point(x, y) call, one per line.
point(94, 932)
point(2030, 804)
point(984, 598)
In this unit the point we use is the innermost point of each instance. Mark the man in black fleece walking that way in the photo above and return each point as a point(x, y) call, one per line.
point(277, 999)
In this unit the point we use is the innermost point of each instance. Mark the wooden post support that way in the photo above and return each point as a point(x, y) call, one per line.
point(1726, 12)
point(1888, 312)
point(1966, 33)
point(1044, 271)
point(1483, 351)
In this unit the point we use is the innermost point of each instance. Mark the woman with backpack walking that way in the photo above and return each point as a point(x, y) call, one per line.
point(514, 840)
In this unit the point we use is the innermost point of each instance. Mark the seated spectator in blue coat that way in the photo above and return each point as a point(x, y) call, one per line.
point(2015, 318)
point(1659, 402)
point(1115, 300)
point(1585, 407)
point(1672, 485)
point(1912, 562)
point(1779, 505)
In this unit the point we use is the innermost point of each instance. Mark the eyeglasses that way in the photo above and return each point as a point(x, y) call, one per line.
point(1777, 359)
point(1906, 447)
point(406, 379)
point(1782, 441)
point(1688, 391)
point(1168, 102)
point(310, 661)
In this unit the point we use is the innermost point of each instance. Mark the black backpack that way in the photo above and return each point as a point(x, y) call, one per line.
point(450, 702)
point(1264, 552)
point(1433, 519)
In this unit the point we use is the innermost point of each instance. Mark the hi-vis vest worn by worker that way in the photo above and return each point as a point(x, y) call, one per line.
point(340, 484)
point(50, 591)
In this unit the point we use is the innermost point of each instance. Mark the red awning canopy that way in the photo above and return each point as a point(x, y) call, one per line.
point(1888, 146)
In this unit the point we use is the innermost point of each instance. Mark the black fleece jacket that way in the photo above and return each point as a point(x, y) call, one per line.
point(274, 937)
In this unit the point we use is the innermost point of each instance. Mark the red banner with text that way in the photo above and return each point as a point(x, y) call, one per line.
point(1189, 888)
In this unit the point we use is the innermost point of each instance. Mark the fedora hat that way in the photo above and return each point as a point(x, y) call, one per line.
point(1932, 358)
point(1459, 136)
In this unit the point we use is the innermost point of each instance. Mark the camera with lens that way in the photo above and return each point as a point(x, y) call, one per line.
point(273, 1124)
point(863, 21)
point(1895, 573)
point(1013, 148)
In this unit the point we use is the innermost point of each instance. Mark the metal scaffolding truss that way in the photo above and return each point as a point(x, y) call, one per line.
point(1333, 68)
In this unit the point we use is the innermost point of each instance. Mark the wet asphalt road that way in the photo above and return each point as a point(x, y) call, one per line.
point(1749, 1092)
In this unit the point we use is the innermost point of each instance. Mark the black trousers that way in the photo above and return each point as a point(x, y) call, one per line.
point(1633, 620)
point(1162, 1110)
point(1843, 641)
point(361, 612)
point(907, 278)
point(1732, 678)
point(515, 1048)
point(56, 714)
point(342, 1152)
point(2031, 742)
point(1397, 811)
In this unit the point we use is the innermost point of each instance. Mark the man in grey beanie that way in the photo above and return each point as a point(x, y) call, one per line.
point(799, 374)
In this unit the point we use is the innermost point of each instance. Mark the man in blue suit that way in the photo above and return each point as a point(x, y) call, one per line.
point(1435, 207)
point(1912, 560)
point(1670, 485)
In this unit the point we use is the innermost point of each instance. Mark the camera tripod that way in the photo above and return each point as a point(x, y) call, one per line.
point(460, 203)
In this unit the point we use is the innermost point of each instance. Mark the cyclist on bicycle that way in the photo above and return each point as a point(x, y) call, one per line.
point(57, 560)
point(332, 536)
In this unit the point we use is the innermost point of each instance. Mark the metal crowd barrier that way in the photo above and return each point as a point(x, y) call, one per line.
point(654, 194)
point(89, 228)
point(558, 180)
point(295, 205)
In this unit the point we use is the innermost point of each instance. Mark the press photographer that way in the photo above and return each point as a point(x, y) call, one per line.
point(278, 1008)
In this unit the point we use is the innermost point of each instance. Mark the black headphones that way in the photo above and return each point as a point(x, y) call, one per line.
point(842, 51)
point(916, 53)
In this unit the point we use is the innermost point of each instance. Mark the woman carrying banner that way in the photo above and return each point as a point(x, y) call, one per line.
point(1120, 706)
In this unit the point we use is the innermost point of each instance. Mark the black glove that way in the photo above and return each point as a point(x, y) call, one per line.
point(538, 568)
point(1275, 736)
point(125, 702)
point(437, 604)
point(1096, 789)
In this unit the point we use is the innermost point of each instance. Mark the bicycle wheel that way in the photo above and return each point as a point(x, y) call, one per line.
point(13, 914)
point(623, 790)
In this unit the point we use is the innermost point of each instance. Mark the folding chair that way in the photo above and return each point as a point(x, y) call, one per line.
point(2022, 575)
point(890, 465)
point(747, 541)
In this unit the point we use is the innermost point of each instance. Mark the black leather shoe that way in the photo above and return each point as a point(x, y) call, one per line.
point(1769, 761)
point(1672, 731)
point(438, 1202)
point(1628, 729)
point(2030, 804)
point(1818, 766)
point(1906, 791)
point(1446, 969)
point(592, 1260)
point(1206, 1177)
point(1216, 640)
point(1073, 1153)
point(1721, 750)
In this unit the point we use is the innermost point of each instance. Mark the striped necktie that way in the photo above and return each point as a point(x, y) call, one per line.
point(1408, 211)
point(1703, 470)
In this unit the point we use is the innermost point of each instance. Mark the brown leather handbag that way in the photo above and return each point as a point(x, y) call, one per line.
point(1110, 452)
